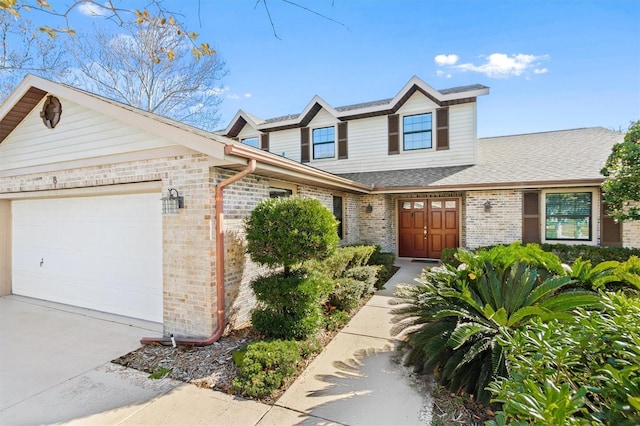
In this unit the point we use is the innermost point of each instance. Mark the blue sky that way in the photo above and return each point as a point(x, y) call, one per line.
point(550, 64)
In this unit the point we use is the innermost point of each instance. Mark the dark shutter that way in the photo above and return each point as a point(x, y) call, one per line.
point(611, 231)
point(264, 141)
point(394, 137)
point(442, 128)
point(304, 145)
point(342, 141)
point(531, 217)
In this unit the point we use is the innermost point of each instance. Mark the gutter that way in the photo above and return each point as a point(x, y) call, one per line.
point(220, 302)
point(294, 166)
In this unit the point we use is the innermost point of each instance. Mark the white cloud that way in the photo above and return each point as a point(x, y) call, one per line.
point(92, 9)
point(500, 65)
point(441, 73)
point(540, 71)
point(442, 60)
point(247, 95)
point(232, 96)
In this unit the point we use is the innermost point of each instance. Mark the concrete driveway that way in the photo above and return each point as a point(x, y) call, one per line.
point(54, 362)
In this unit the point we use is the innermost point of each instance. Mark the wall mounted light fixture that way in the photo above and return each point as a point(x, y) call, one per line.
point(487, 206)
point(172, 202)
point(369, 208)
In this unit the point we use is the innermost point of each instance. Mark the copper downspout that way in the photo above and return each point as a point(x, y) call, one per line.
point(220, 317)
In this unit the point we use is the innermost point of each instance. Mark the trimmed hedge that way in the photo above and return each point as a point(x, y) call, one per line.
point(291, 305)
point(567, 253)
point(346, 294)
point(386, 261)
point(265, 367)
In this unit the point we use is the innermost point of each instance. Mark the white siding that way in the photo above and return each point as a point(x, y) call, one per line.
point(286, 143)
point(81, 133)
point(248, 132)
point(368, 142)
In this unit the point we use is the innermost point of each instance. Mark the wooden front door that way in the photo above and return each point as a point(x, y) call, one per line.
point(426, 226)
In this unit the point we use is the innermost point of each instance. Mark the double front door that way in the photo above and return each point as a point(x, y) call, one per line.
point(427, 226)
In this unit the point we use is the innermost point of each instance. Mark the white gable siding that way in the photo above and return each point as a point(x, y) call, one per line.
point(248, 132)
point(81, 133)
point(286, 143)
point(368, 141)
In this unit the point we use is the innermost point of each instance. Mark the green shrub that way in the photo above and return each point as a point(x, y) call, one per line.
point(386, 262)
point(291, 305)
point(336, 319)
point(367, 274)
point(453, 319)
point(346, 294)
point(287, 231)
point(577, 372)
point(309, 347)
point(265, 367)
point(341, 260)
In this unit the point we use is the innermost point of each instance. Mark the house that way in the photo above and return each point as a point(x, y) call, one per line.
point(112, 208)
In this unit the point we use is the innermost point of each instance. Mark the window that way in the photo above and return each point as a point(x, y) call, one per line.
point(337, 212)
point(324, 143)
point(568, 216)
point(416, 131)
point(251, 142)
point(279, 189)
point(280, 192)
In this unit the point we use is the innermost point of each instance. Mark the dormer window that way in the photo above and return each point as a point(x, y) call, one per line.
point(416, 131)
point(251, 142)
point(324, 143)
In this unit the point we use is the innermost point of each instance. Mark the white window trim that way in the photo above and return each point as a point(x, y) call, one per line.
point(433, 132)
point(595, 216)
point(335, 142)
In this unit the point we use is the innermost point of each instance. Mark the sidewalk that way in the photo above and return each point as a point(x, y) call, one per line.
point(357, 379)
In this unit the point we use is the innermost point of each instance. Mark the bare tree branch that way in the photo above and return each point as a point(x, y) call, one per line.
point(126, 68)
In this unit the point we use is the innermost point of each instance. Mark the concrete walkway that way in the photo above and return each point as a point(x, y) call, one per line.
point(356, 380)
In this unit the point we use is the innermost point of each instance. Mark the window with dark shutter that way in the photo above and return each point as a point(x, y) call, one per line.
point(611, 232)
point(264, 141)
point(343, 152)
point(442, 128)
point(394, 140)
point(304, 145)
point(531, 217)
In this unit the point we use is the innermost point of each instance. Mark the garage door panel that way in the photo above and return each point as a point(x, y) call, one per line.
point(101, 253)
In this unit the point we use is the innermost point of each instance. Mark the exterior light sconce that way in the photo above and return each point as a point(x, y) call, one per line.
point(487, 206)
point(172, 202)
point(369, 208)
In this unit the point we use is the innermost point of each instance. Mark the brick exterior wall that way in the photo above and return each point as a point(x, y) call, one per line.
point(377, 227)
point(631, 234)
point(502, 225)
point(188, 263)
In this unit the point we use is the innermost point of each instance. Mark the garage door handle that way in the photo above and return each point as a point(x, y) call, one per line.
point(41, 262)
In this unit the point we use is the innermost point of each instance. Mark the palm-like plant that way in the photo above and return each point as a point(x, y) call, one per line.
point(452, 321)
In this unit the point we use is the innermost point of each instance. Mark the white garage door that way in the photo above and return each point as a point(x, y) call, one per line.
point(102, 253)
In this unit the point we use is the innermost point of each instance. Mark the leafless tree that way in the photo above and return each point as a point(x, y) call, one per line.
point(129, 68)
point(22, 50)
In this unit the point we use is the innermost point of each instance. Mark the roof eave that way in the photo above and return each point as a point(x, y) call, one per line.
point(525, 185)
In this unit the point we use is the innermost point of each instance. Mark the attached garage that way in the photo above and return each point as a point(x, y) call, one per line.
point(97, 252)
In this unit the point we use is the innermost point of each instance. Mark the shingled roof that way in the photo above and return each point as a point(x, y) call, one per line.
point(570, 156)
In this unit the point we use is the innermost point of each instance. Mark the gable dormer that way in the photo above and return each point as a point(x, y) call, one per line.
point(420, 126)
